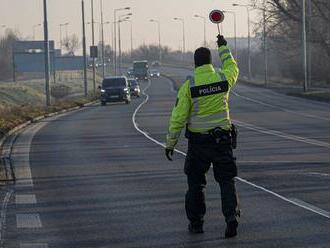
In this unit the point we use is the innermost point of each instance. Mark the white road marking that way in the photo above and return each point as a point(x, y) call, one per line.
point(25, 199)
point(318, 174)
point(311, 207)
point(28, 221)
point(280, 108)
point(4, 215)
point(305, 206)
point(273, 132)
point(33, 245)
point(21, 159)
point(281, 134)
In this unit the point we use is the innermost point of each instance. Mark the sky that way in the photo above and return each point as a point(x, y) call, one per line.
point(22, 15)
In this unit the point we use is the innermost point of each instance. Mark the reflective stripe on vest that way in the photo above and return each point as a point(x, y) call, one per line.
point(210, 118)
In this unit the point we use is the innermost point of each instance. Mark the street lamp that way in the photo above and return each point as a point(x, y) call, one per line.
point(115, 35)
point(62, 25)
point(125, 18)
point(131, 31)
point(183, 33)
point(102, 38)
point(204, 20)
point(249, 38)
point(34, 30)
point(159, 44)
point(235, 32)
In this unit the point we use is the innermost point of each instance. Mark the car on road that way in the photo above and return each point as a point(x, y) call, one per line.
point(130, 72)
point(154, 73)
point(115, 89)
point(141, 70)
point(134, 87)
point(155, 63)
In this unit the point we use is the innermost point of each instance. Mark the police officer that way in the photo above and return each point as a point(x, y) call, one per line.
point(202, 107)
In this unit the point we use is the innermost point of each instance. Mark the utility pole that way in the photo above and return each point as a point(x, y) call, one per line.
point(183, 38)
point(102, 33)
point(204, 20)
point(159, 39)
point(115, 35)
point(265, 45)
point(84, 47)
point(46, 52)
point(310, 43)
point(304, 41)
point(235, 31)
point(249, 36)
point(93, 44)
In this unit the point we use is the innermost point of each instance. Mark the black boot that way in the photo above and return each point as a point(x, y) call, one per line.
point(231, 230)
point(195, 228)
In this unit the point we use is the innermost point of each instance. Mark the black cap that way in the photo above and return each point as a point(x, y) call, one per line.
point(202, 56)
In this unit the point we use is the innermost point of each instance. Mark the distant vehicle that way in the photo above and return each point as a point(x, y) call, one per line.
point(115, 89)
point(154, 73)
point(130, 72)
point(155, 63)
point(134, 87)
point(141, 70)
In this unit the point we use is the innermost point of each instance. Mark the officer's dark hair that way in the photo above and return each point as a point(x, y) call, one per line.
point(202, 56)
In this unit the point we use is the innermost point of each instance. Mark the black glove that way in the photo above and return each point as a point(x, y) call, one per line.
point(169, 153)
point(221, 41)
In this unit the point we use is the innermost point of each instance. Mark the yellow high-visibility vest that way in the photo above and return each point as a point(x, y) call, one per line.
point(202, 101)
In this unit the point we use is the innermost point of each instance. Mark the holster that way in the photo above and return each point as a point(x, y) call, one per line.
point(233, 134)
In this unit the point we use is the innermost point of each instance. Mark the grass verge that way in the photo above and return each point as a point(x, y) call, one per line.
point(11, 117)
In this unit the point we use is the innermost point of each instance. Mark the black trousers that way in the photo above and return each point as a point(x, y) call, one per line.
point(198, 161)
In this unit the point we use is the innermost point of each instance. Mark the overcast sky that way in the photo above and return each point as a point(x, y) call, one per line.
point(23, 14)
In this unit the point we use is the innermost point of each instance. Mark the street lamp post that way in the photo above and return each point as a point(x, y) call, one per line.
point(204, 20)
point(34, 30)
point(102, 33)
point(249, 36)
point(131, 31)
point(62, 25)
point(115, 35)
point(235, 31)
point(46, 53)
point(265, 44)
point(183, 34)
point(122, 18)
point(304, 40)
point(84, 47)
point(159, 40)
point(93, 44)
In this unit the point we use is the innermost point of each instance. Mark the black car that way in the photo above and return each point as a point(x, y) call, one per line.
point(134, 87)
point(154, 73)
point(115, 89)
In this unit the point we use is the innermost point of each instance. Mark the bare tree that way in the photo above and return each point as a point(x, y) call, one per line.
point(71, 44)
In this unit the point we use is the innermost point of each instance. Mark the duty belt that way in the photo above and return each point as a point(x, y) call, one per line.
point(216, 135)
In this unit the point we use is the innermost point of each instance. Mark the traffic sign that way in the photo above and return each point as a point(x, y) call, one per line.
point(217, 16)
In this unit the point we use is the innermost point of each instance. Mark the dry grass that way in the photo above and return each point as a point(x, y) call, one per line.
point(13, 116)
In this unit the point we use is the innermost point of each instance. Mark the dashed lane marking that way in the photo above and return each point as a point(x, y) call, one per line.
point(295, 202)
point(4, 215)
point(28, 221)
point(25, 199)
point(318, 174)
point(33, 245)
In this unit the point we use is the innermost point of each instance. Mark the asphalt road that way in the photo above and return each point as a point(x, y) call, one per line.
point(91, 179)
